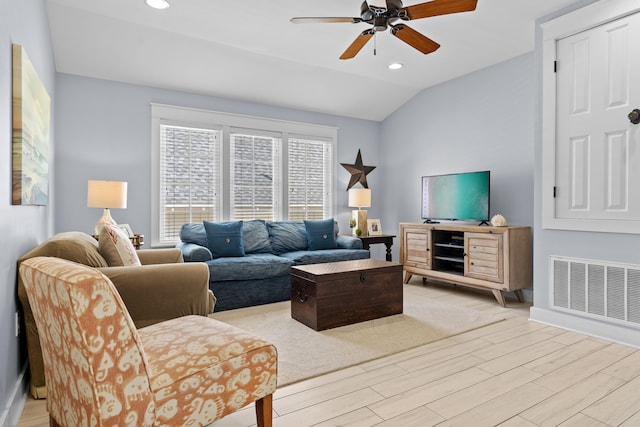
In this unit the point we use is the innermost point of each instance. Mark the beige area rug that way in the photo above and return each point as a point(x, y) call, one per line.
point(304, 353)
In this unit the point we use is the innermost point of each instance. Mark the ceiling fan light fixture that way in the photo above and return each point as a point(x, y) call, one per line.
point(395, 66)
point(158, 4)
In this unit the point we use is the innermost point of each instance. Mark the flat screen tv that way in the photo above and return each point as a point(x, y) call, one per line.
point(459, 196)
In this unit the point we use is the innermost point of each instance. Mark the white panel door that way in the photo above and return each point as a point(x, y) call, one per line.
point(597, 147)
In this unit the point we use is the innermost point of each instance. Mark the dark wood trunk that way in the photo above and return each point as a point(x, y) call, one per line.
point(335, 294)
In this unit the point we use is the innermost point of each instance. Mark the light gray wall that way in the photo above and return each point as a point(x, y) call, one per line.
point(22, 22)
point(481, 121)
point(589, 245)
point(485, 120)
point(104, 132)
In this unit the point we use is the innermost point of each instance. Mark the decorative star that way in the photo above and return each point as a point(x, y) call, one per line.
point(358, 172)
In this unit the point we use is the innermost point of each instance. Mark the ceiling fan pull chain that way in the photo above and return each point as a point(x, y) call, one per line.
point(375, 42)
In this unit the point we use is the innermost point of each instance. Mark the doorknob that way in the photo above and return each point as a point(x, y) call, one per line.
point(634, 116)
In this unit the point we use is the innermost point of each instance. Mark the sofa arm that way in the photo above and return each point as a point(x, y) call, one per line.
point(192, 252)
point(154, 293)
point(348, 242)
point(159, 256)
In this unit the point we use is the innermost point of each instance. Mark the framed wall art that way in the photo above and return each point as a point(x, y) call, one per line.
point(30, 138)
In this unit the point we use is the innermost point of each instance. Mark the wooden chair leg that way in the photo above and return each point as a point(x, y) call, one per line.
point(264, 411)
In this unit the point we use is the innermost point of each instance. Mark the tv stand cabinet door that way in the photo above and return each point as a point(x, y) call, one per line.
point(415, 250)
point(484, 256)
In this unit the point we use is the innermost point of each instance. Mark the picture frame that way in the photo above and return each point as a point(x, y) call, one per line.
point(127, 229)
point(374, 228)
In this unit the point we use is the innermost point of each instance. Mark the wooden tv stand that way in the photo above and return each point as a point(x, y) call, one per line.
point(498, 259)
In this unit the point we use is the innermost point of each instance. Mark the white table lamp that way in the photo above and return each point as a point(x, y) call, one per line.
point(360, 198)
point(106, 195)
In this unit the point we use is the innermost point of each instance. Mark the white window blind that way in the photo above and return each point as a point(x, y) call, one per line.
point(189, 178)
point(216, 166)
point(310, 175)
point(255, 171)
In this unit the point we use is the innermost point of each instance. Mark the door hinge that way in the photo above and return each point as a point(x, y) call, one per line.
point(555, 66)
point(555, 191)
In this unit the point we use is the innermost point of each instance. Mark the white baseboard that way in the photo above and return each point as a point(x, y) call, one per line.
point(11, 414)
point(587, 326)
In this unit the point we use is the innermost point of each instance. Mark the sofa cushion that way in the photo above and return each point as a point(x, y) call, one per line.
point(193, 233)
point(287, 236)
point(255, 237)
point(224, 239)
point(326, 255)
point(254, 266)
point(320, 234)
point(116, 247)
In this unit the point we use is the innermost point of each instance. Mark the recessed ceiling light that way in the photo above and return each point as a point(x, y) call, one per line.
point(158, 4)
point(395, 66)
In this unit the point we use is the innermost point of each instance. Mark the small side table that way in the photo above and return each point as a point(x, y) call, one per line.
point(387, 239)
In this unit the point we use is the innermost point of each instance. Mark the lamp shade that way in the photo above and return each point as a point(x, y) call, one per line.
point(107, 194)
point(359, 197)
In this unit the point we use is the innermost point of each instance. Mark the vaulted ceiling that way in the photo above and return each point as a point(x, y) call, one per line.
point(249, 50)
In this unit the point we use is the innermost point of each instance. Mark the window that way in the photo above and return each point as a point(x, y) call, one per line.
point(310, 175)
point(190, 169)
point(218, 167)
point(255, 166)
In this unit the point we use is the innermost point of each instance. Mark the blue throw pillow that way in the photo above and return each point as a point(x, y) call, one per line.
point(320, 234)
point(224, 239)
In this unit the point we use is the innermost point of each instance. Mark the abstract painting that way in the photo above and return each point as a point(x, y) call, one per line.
point(31, 124)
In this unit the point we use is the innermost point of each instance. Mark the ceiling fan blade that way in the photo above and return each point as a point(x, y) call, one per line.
point(311, 20)
point(439, 7)
point(414, 39)
point(357, 44)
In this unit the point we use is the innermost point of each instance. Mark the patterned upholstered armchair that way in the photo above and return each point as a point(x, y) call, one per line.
point(162, 288)
point(101, 370)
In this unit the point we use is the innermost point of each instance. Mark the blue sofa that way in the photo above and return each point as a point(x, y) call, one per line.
point(261, 276)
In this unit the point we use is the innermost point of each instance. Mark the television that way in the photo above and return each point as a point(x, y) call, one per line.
point(458, 196)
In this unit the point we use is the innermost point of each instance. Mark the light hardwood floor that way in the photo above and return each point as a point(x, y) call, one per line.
point(512, 373)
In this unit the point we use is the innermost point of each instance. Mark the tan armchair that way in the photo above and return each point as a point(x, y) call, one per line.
point(162, 288)
point(102, 371)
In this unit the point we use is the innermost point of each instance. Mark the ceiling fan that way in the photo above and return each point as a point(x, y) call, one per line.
point(383, 14)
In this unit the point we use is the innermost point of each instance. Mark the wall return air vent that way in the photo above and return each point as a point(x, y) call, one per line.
point(596, 289)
